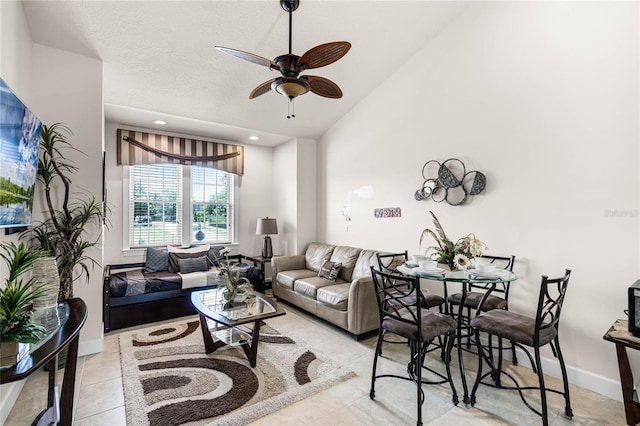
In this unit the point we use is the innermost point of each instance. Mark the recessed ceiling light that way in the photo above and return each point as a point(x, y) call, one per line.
point(161, 122)
point(254, 138)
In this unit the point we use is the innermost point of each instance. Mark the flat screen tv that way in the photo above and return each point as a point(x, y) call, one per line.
point(19, 143)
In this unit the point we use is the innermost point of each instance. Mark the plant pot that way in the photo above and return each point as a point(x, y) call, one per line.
point(45, 273)
point(11, 352)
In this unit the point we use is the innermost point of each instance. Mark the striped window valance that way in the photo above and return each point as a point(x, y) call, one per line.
point(134, 148)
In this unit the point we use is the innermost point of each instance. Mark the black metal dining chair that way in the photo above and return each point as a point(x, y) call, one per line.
point(388, 263)
point(401, 312)
point(526, 331)
point(485, 296)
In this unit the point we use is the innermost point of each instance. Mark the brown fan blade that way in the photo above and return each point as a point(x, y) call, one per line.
point(261, 89)
point(249, 57)
point(323, 55)
point(322, 86)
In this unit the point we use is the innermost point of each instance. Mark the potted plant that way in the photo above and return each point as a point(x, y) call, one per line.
point(456, 255)
point(71, 218)
point(16, 298)
point(236, 288)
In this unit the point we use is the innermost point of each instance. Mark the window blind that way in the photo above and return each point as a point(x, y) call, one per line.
point(155, 200)
point(212, 205)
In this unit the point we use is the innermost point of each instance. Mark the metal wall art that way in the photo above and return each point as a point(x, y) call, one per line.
point(449, 181)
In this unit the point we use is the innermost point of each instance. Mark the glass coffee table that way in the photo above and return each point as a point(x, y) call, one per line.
point(229, 324)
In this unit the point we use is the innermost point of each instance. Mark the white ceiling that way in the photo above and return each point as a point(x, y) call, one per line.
point(160, 62)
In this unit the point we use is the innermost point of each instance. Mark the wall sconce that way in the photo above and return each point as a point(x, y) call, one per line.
point(267, 226)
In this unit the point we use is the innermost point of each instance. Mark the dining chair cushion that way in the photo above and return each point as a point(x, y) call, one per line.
point(434, 324)
point(512, 326)
point(473, 299)
point(430, 300)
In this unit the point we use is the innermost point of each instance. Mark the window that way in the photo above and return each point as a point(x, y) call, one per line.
point(212, 205)
point(161, 195)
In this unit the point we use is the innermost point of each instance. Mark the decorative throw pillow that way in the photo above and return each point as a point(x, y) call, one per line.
point(194, 264)
point(214, 255)
point(330, 270)
point(174, 266)
point(195, 249)
point(157, 260)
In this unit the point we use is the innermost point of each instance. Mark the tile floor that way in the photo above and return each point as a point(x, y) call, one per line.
point(100, 401)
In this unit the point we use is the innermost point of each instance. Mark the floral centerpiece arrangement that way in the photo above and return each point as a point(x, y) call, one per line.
point(456, 255)
point(237, 288)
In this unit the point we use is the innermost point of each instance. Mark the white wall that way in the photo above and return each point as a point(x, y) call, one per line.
point(543, 99)
point(254, 200)
point(67, 88)
point(294, 195)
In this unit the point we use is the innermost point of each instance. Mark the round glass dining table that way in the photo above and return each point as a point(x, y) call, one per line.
point(464, 279)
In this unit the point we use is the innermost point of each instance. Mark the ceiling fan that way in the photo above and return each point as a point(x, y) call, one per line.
point(292, 84)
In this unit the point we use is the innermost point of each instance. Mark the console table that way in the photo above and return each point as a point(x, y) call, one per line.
point(619, 334)
point(45, 352)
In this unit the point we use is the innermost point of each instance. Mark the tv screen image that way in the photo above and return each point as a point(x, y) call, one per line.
point(19, 144)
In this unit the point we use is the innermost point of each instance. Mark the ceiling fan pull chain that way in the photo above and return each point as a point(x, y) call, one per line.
point(291, 106)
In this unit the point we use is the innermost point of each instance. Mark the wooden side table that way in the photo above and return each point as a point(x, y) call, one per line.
point(620, 335)
point(260, 262)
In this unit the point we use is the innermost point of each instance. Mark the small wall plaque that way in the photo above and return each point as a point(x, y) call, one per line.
point(387, 212)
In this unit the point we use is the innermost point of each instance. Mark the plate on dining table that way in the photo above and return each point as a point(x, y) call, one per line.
point(487, 275)
point(434, 271)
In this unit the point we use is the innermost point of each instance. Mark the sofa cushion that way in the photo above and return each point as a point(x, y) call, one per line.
point(287, 278)
point(309, 286)
point(330, 270)
point(348, 257)
point(316, 255)
point(335, 296)
point(366, 260)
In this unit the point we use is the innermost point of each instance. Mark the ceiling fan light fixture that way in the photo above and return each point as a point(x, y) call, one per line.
point(290, 87)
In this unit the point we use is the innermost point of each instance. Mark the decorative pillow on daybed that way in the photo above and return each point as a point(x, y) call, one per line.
point(214, 255)
point(157, 260)
point(195, 264)
point(176, 254)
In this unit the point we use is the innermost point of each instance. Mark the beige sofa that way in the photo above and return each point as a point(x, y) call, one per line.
point(348, 302)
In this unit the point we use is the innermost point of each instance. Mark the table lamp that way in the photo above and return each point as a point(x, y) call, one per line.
point(267, 226)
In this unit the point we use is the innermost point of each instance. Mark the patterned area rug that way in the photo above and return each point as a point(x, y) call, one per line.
point(168, 379)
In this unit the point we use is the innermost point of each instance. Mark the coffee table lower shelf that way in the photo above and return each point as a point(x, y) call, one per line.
point(226, 324)
point(231, 336)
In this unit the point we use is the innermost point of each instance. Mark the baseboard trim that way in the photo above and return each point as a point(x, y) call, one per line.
point(88, 347)
point(9, 393)
point(577, 376)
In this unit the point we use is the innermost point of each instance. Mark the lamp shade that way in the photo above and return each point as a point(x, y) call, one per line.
point(267, 226)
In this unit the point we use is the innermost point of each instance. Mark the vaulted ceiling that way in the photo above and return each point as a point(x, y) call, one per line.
point(160, 62)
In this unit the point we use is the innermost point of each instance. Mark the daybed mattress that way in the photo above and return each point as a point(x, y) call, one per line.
point(138, 281)
point(131, 283)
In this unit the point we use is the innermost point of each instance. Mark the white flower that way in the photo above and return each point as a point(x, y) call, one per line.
point(461, 261)
point(225, 251)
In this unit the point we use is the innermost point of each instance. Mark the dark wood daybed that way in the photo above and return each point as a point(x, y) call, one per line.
point(120, 311)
